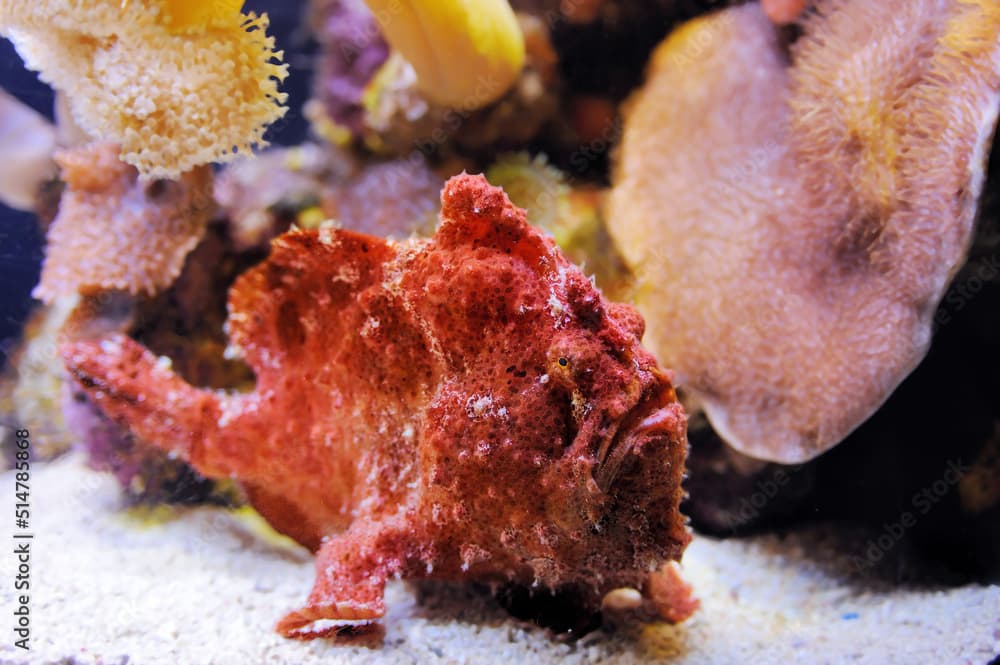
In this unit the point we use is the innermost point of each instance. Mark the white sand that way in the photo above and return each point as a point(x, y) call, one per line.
point(202, 587)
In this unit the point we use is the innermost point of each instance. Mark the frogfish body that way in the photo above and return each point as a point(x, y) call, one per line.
point(465, 407)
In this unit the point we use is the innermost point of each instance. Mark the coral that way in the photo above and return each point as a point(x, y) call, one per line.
point(312, 184)
point(352, 51)
point(114, 231)
point(571, 214)
point(176, 84)
point(466, 54)
point(901, 126)
point(400, 117)
point(194, 15)
point(582, 58)
point(391, 199)
point(783, 12)
point(466, 407)
point(262, 197)
point(791, 262)
point(27, 141)
point(30, 385)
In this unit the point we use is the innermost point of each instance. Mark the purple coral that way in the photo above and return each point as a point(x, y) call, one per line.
point(353, 50)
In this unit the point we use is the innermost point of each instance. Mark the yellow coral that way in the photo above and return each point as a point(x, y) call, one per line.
point(177, 83)
point(183, 15)
point(466, 53)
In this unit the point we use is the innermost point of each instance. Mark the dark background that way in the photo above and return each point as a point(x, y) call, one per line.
point(20, 240)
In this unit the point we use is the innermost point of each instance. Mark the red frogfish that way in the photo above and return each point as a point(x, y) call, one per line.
point(467, 407)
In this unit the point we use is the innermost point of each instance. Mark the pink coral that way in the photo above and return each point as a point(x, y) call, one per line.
point(794, 228)
point(116, 232)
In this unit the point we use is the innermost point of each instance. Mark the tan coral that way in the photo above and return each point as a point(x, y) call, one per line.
point(795, 229)
point(173, 98)
point(115, 232)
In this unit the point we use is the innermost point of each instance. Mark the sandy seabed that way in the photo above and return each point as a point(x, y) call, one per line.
point(201, 585)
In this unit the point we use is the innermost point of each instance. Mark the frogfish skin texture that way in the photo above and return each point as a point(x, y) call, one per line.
point(466, 408)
